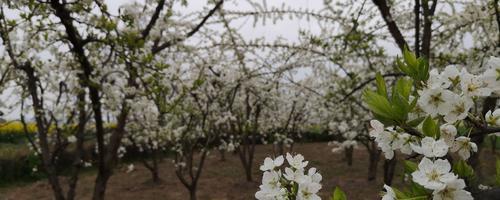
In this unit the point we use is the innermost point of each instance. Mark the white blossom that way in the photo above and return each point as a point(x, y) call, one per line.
point(454, 190)
point(448, 133)
point(297, 161)
point(377, 128)
point(459, 109)
point(389, 193)
point(431, 148)
point(433, 175)
point(493, 118)
point(270, 164)
point(276, 185)
point(308, 190)
point(492, 75)
point(464, 147)
point(435, 101)
point(473, 85)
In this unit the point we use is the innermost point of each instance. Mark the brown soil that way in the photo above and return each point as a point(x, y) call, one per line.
point(223, 180)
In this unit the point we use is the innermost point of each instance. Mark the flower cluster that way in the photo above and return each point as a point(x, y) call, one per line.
point(292, 182)
point(431, 116)
point(390, 140)
point(434, 175)
point(451, 93)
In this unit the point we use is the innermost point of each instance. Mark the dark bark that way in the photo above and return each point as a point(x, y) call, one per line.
point(427, 32)
point(157, 49)
point(82, 119)
point(348, 155)
point(155, 172)
point(374, 157)
point(42, 128)
point(154, 18)
point(153, 166)
point(491, 194)
point(222, 154)
point(107, 155)
point(389, 169)
point(77, 49)
point(192, 193)
point(278, 149)
point(246, 157)
point(416, 11)
point(385, 12)
point(191, 184)
point(488, 104)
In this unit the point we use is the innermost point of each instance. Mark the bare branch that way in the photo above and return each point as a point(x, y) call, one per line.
point(385, 11)
point(157, 49)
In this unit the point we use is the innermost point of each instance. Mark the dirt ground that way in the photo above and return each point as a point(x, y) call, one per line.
point(224, 180)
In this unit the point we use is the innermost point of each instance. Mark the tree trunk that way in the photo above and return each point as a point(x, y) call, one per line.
point(248, 172)
point(279, 149)
point(389, 169)
point(100, 185)
point(156, 177)
point(348, 155)
point(246, 157)
point(155, 170)
point(222, 153)
point(56, 187)
point(42, 132)
point(374, 157)
point(192, 193)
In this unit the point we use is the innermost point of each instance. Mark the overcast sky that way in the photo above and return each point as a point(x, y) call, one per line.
point(288, 29)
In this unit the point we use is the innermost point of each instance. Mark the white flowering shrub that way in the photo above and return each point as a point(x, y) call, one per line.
point(430, 115)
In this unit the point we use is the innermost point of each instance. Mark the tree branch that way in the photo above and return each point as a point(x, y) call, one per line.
point(391, 24)
point(427, 32)
point(417, 27)
point(157, 49)
point(153, 19)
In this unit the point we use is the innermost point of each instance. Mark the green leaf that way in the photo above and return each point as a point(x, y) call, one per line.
point(410, 59)
point(423, 69)
point(338, 194)
point(402, 66)
point(400, 194)
point(401, 107)
point(381, 87)
point(384, 120)
point(378, 104)
point(413, 103)
point(410, 166)
point(430, 128)
point(415, 122)
point(400, 97)
point(418, 191)
point(463, 170)
point(403, 88)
